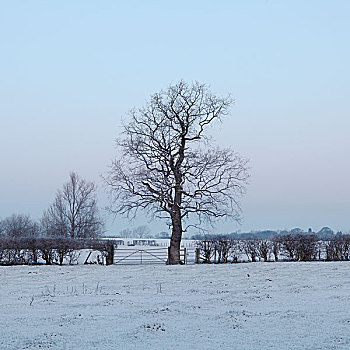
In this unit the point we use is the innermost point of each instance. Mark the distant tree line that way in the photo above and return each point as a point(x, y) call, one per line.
point(286, 247)
point(323, 234)
point(142, 231)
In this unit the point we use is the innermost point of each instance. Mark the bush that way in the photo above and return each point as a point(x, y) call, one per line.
point(292, 247)
point(18, 251)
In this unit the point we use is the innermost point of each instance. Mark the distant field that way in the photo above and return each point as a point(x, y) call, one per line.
point(233, 306)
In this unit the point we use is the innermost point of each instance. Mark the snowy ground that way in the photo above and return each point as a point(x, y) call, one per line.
point(234, 306)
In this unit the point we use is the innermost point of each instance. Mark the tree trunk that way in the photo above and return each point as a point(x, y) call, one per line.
point(174, 249)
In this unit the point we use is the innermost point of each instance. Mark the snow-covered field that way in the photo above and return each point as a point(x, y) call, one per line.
point(234, 306)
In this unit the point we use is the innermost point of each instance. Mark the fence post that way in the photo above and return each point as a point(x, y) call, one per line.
point(198, 255)
point(185, 256)
point(167, 260)
point(110, 254)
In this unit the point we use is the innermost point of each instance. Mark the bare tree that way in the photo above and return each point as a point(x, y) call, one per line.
point(74, 212)
point(250, 249)
point(125, 233)
point(223, 246)
point(338, 248)
point(264, 249)
point(276, 246)
point(288, 246)
point(207, 248)
point(306, 247)
point(142, 231)
point(168, 167)
point(18, 225)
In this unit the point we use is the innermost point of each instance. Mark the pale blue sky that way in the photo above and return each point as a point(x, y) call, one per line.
point(69, 70)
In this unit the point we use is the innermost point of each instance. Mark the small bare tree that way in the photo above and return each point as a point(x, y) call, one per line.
point(168, 167)
point(74, 212)
point(250, 249)
point(276, 247)
point(338, 248)
point(223, 246)
point(142, 231)
point(125, 233)
point(289, 246)
point(207, 248)
point(306, 247)
point(18, 225)
point(264, 249)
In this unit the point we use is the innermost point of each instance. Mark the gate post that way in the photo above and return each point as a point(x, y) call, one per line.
point(110, 253)
point(167, 260)
point(198, 255)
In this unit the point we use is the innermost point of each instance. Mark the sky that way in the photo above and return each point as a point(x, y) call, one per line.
point(71, 70)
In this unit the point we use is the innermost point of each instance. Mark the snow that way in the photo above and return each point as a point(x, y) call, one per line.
point(233, 306)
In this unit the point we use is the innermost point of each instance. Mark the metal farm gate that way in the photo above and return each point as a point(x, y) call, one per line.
point(144, 256)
